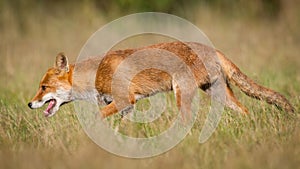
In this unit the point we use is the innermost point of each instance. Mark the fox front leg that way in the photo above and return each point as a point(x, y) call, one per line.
point(111, 109)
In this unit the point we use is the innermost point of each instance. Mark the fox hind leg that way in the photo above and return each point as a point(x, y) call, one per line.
point(230, 100)
point(233, 103)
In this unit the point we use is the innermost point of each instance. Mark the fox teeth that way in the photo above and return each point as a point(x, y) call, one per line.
point(50, 107)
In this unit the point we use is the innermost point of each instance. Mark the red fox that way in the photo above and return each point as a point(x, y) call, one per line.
point(56, 85)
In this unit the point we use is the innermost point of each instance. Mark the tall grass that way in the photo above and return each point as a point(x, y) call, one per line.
point(266, 50)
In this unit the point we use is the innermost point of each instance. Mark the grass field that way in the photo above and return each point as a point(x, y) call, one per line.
point(266, 50)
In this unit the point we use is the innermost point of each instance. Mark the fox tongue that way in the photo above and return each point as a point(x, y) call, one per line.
point(50, 106)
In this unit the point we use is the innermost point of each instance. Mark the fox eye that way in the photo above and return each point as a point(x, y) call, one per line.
point(43, 88)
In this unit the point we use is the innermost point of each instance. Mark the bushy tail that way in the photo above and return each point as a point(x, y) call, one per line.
point(252, 89)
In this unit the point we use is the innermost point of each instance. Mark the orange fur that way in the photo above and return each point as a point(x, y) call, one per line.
point(152, 80)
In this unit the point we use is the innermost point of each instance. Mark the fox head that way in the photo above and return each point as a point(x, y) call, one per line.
point(55, 87)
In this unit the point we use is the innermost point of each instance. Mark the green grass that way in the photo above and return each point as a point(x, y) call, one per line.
point(267, 138)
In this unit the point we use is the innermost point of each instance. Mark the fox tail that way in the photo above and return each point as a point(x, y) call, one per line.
point(249, 87)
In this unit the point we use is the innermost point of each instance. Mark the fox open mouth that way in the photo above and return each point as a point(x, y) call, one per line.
point(51, 105)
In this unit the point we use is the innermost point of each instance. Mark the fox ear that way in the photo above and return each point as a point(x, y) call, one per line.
point(61, 62)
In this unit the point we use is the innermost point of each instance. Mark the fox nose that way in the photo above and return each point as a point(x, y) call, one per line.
point(30, 105)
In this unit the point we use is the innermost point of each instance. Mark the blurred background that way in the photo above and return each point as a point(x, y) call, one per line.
point(34, 31)
point(261, 36)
